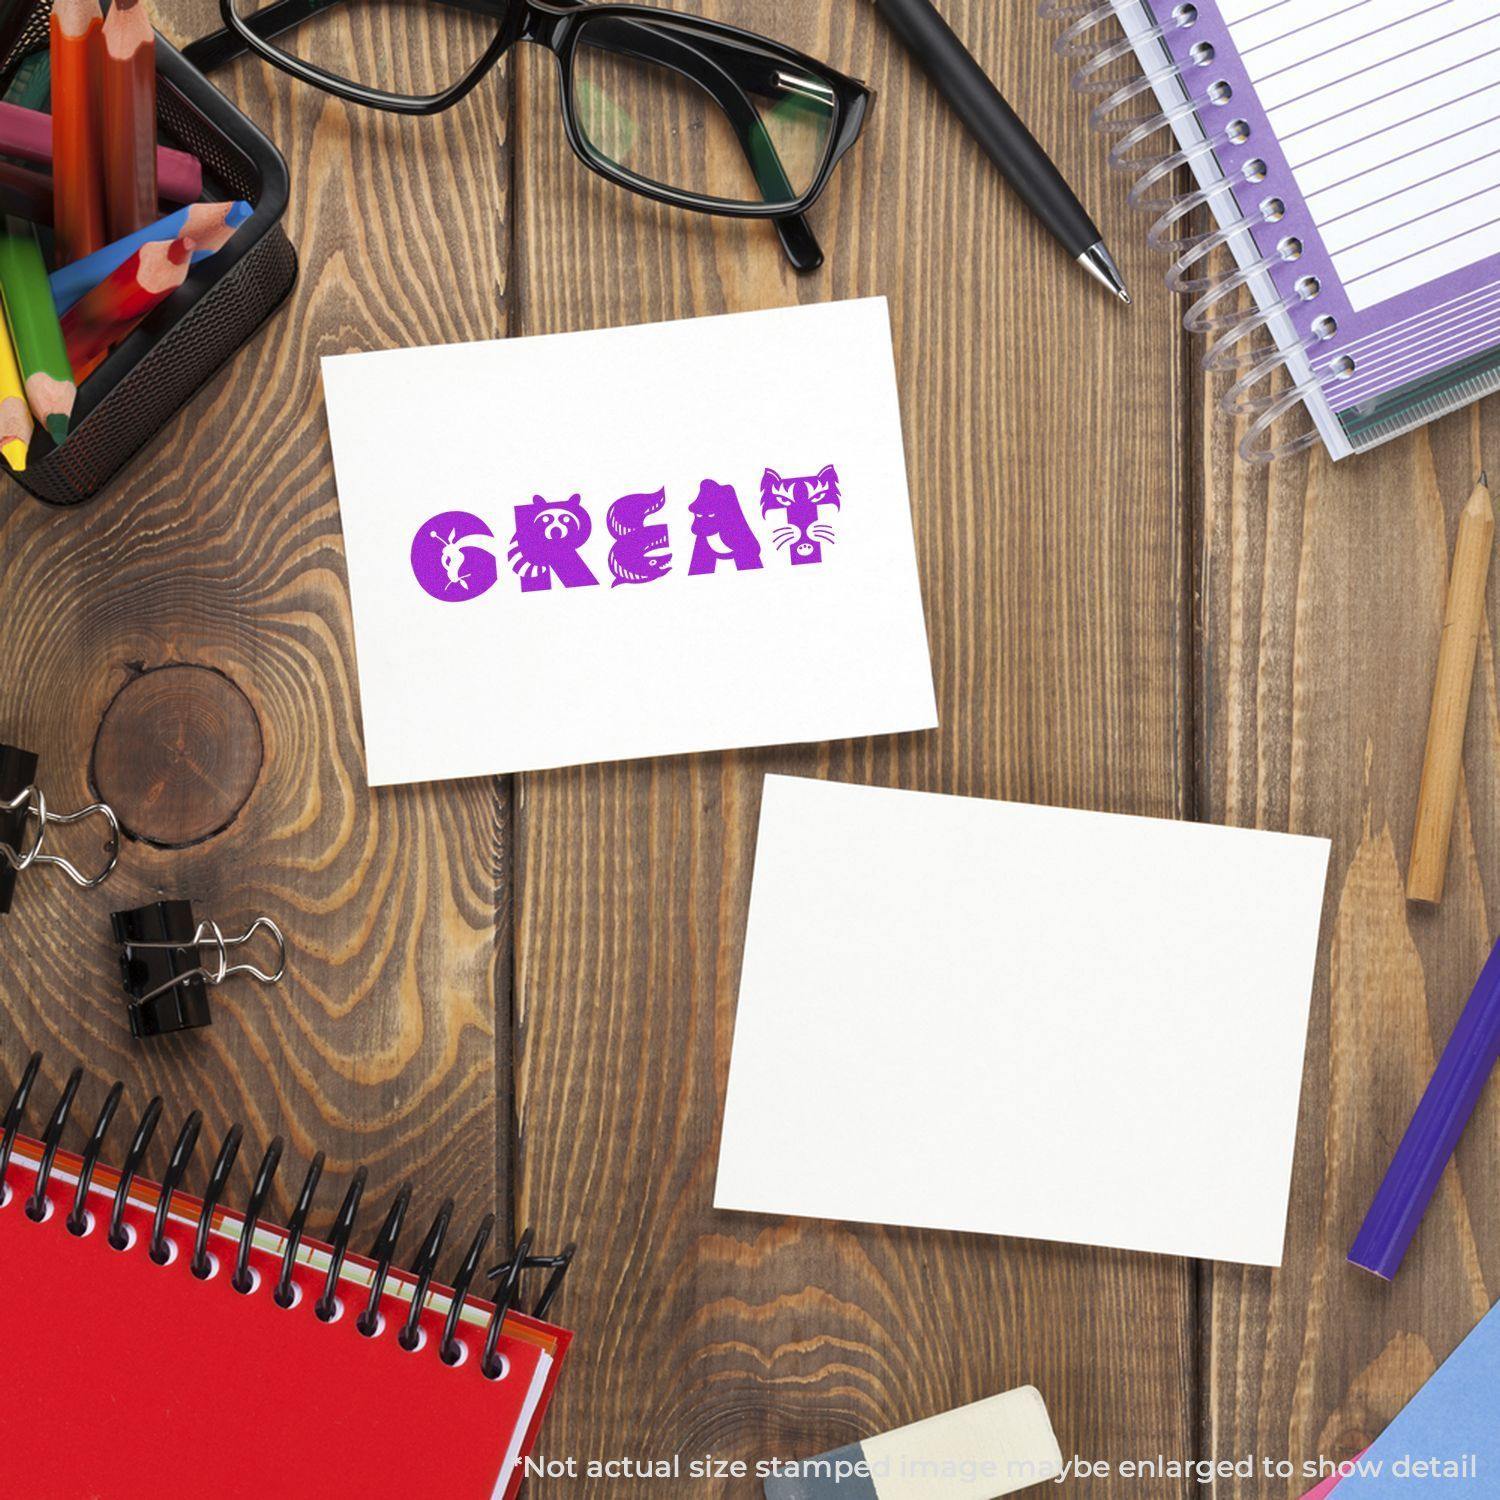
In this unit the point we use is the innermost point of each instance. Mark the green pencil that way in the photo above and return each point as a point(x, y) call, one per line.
point(34, 328)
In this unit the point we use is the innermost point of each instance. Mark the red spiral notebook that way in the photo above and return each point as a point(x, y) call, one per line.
point(128, 1379)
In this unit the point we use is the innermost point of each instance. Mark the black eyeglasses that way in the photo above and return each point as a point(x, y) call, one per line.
point(680, 109)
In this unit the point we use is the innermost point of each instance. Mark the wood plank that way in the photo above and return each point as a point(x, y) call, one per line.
point(1049, 494)
point(221, 550)
point(1323, 590)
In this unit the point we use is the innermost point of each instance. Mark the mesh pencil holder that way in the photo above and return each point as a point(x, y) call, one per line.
point(165, 362)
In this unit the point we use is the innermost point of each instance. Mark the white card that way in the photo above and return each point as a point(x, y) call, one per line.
point(1016, 1020)
point(737, 567)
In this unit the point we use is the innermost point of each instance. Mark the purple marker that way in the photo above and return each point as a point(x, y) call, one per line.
point(1432, 1137)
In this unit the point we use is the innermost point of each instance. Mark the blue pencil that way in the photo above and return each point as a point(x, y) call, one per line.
point(209, 224)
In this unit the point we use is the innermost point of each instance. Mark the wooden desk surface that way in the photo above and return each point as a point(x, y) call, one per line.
point(520, 992)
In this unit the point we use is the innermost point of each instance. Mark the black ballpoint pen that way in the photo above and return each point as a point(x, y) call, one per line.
point(998, 129)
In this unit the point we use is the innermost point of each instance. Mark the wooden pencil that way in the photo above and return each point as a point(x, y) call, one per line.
point(129, 118)
point(210, 226)
point(1462, 620)
point(98, 321)
point(28, 194)
point(26, 134)
point(16, 425)
point(25, 193)
point(35, 331)
point(77, 176)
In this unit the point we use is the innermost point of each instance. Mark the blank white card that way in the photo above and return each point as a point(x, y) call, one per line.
point(1005, 1019)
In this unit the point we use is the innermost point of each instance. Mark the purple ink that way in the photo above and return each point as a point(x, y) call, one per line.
point(639, 554)
point(801, 499)
point(546, 542)
point(453, 556)
point(717, 517)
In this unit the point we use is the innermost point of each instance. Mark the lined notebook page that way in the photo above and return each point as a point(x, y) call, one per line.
point(1389, 113)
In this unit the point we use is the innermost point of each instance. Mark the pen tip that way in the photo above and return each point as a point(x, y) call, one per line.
point(1098, 262)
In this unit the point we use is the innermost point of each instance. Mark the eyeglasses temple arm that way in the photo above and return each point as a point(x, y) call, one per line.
point(797, 238)
point(223, 46)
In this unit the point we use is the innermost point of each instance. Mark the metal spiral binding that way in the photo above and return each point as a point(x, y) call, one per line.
point(1119, 113)
point(451, 1351)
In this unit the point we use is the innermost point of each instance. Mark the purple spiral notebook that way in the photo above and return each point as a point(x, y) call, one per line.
point(1349, 154)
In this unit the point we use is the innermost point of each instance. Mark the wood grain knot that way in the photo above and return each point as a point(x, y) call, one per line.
point(178, 752)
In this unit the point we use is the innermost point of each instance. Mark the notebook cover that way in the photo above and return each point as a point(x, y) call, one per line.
point(128, 1379)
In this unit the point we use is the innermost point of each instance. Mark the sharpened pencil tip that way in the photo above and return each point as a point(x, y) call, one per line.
point(57, 427)
point(15, 454)
point(1484, 478)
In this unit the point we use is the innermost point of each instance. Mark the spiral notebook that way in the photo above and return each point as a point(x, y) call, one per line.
point(133, 1378)
point(1349, 151)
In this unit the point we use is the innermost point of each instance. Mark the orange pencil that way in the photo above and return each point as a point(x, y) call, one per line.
point(98, 321)
point(78, 179)
point(129, 118)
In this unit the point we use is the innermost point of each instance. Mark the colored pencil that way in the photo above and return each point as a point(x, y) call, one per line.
point(34, 329)
point(1463, 619)
point(96, 323)
point(1435, 1130)
point(16, 425)
point(129, 118)
point(26, 134)
point(76, 169)
point(25, 193)
point(208, 224)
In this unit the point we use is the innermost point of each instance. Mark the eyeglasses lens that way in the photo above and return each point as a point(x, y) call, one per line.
point(675, 107)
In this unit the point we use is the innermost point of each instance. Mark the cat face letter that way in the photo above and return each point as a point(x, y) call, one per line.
point(801, 500)
point(717, 517)
point(547, 540)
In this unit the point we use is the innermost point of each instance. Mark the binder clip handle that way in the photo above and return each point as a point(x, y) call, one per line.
point(166, 971)
point(30, 804)
point(223, 969)
point(211, 934)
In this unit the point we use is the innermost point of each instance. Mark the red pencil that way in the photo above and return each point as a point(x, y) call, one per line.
point(76, 171)
point(98, 321)
point(129, 118)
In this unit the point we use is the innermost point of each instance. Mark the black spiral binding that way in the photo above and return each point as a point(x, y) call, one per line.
point(201, 1264)
point(177, 1164)
point(78, 1217)
point(383, 1252)
point(242, 1280)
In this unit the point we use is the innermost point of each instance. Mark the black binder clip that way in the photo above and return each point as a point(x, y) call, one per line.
point(164, 970)
point(22, 805)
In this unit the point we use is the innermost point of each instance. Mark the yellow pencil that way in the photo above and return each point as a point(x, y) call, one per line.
point(15, 414)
